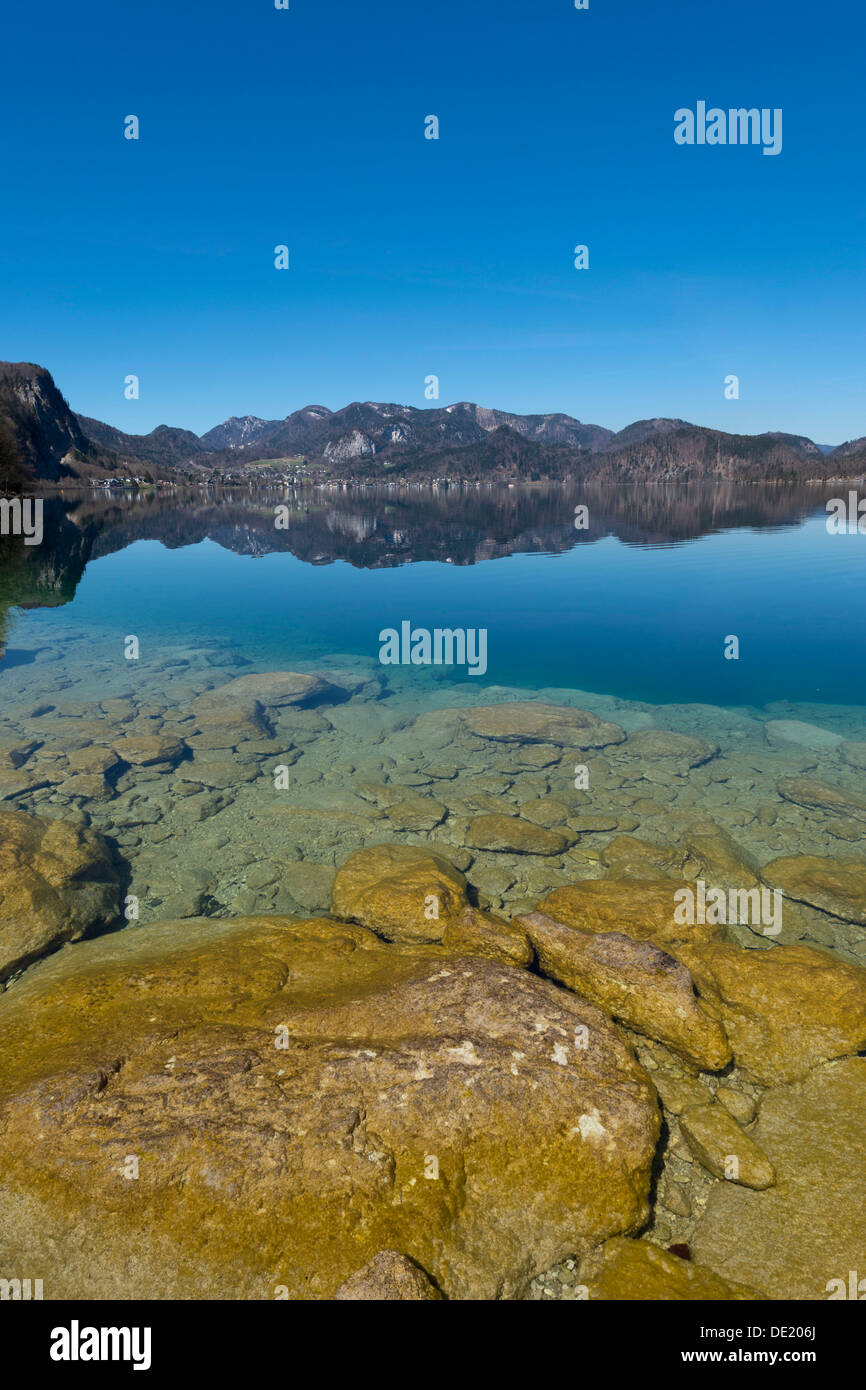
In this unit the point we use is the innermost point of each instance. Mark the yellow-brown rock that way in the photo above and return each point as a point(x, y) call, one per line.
point(148, 750)
point(511, 835)
point(401, 892)
point(635, 1270)
point(626, 856)
point(785, 1010)
point(298, 1097)
point(642, 909)
point(724, 1149)
point(93, 761)
point(632, 981)
point(481, 934)
point(819, 796)
point(57, 882)
point(802, 1238)
point(708, 854)
point(837, 886)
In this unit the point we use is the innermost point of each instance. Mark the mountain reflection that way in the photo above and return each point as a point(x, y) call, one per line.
point(376, 527)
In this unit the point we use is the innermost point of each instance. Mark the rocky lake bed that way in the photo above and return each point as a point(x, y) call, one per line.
point(343, 982)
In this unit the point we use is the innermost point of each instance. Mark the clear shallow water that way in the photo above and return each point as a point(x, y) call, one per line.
point(716, 772)
point(643, 617)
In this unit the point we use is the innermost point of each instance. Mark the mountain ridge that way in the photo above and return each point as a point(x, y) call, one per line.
point(374, 439)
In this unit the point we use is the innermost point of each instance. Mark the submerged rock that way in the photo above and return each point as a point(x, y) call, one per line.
point(93, 761)
point(634, 982)
point(837, 886)
point(625, 856)
point(228, 723)
point(644, 910)
point(800, 1238)
point(818, 796)
point(709, 853)
point(784, 1010)
point(298, 1097)
point(400, 892)
point(724, 1149)
point(310, 885)
point(855, 755)
point(416, 813)
point(633, 1270)
point(535, 721)
point(57, 881)
point(149, 750)
point(239, 710)
point(271, 689)
point(511, 835)
point(784, 733)
point(15, 753)
point(664, 744)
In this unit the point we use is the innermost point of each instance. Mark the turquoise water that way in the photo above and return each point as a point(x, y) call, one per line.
point(644, 619)
point(608, 740)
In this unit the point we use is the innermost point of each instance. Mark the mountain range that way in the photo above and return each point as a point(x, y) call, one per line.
point(43, 440)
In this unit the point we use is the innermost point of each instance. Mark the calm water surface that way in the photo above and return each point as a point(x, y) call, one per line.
point(638, 606)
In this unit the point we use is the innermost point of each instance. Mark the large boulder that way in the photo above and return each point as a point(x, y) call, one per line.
point(57, 881)
point(643, 909)
point(785, 1010)
point(801, 1238)
point(256, 1108)
point(402, 893)
point(632, 981)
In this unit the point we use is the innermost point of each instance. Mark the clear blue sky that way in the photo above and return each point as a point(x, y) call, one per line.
point(411, 257)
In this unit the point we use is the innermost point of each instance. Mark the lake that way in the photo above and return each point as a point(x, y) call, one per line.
point(277, 915)
point(638, 605)
point(727, 618)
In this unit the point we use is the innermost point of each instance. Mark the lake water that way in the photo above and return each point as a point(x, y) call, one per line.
point(628, 619)
point(640, 605)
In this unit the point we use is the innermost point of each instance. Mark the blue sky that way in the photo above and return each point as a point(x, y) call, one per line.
point(411, 257)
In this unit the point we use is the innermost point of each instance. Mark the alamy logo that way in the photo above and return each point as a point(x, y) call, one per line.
point(20, 1290)
point(854, 1289)
point(444, 646)
point(737, 126)
point(846, 516)
point(21, 516)
point(76, 1343)
point(746, 907)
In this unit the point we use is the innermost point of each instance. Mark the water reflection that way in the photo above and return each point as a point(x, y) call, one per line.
point(373, 528)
